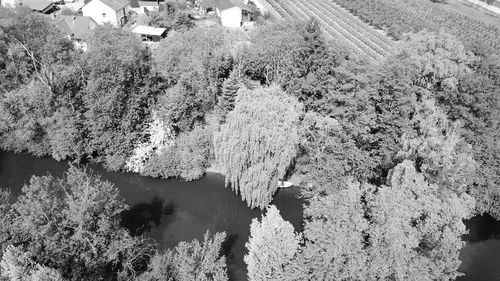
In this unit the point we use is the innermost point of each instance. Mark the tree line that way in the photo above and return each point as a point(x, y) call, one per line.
point(391, 156)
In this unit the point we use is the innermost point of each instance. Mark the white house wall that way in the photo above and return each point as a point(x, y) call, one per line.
point(231, 17)
point(8, 3)
point(100, 12)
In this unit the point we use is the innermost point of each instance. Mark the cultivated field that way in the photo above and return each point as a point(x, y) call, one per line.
point(338, 23)
point(400, 16)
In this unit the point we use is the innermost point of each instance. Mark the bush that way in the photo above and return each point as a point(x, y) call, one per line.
point(188, 158)
point(195, 150)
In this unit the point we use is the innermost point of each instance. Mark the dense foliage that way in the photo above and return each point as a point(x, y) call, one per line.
point(71, 225)
point(408, 230)
point(110, 103)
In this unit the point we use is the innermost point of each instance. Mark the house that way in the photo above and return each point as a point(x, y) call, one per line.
point(114, 12)
point(41, 6)
point(9, 3)
point(149, 6)
point(144, 7)
point(77, 28)
point(150, 34)
point(231, 12)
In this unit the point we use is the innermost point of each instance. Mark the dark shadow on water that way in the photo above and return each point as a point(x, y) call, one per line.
point(143, 216)
point(228, 245)
point(226, 251)
point(482, 228)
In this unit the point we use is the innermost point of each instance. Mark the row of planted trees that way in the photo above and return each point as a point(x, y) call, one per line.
point(392, 156)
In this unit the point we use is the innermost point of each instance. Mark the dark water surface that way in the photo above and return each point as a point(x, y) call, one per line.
point(168, 211)
point(171, 211)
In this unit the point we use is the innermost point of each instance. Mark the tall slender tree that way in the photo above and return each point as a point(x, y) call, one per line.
point(227, 99)
point(271, 246)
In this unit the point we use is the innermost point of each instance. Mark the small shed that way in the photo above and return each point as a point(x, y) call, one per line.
point(149, 33)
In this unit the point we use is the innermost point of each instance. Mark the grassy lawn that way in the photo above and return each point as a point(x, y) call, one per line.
point(466, 10)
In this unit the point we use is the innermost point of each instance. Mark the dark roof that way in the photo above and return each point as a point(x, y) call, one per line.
point(228, 4)
point(115, 4)
point(39, 5)
point(77, 26)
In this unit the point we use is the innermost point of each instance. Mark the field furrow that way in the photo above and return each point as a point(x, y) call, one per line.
point(339, 24)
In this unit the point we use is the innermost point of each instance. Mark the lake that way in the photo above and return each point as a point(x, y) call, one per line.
point(171, 211)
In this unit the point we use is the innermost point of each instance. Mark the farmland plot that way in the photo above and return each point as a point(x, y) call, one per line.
point(364, 40)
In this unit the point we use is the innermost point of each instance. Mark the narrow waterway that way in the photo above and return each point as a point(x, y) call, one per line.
point(168, 211)
point(171, 211)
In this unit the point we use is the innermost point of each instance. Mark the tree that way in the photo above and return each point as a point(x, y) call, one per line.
point(119, 92)
point(335, 232)
point(195, 152)
point(418, 231)
point(72, 225)
point(212, 266)
point(23, 113)
point(183, 22)
point(183, 107)
point(475, 104)
point(226, 100)
point(258, 143)
point(36, 50)
point(433, 60)
point(438, 150)
point(190, 261)
point(274, 51)
point(407, 230)
point(327, 156)
point(18, 266)
point(271, 246)
point(314, 67)
point(198, 59)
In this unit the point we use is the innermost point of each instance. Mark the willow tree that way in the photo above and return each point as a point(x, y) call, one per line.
point(258, 143)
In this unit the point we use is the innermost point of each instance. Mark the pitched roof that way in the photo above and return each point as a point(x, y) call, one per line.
point(148, 4)
point(134, 3)
point(38, 5)
point(115, 4)
point(149, 30)
point(77, 26)
point(228, 4)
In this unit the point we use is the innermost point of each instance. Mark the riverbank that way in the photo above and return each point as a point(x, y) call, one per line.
point(216, 170)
